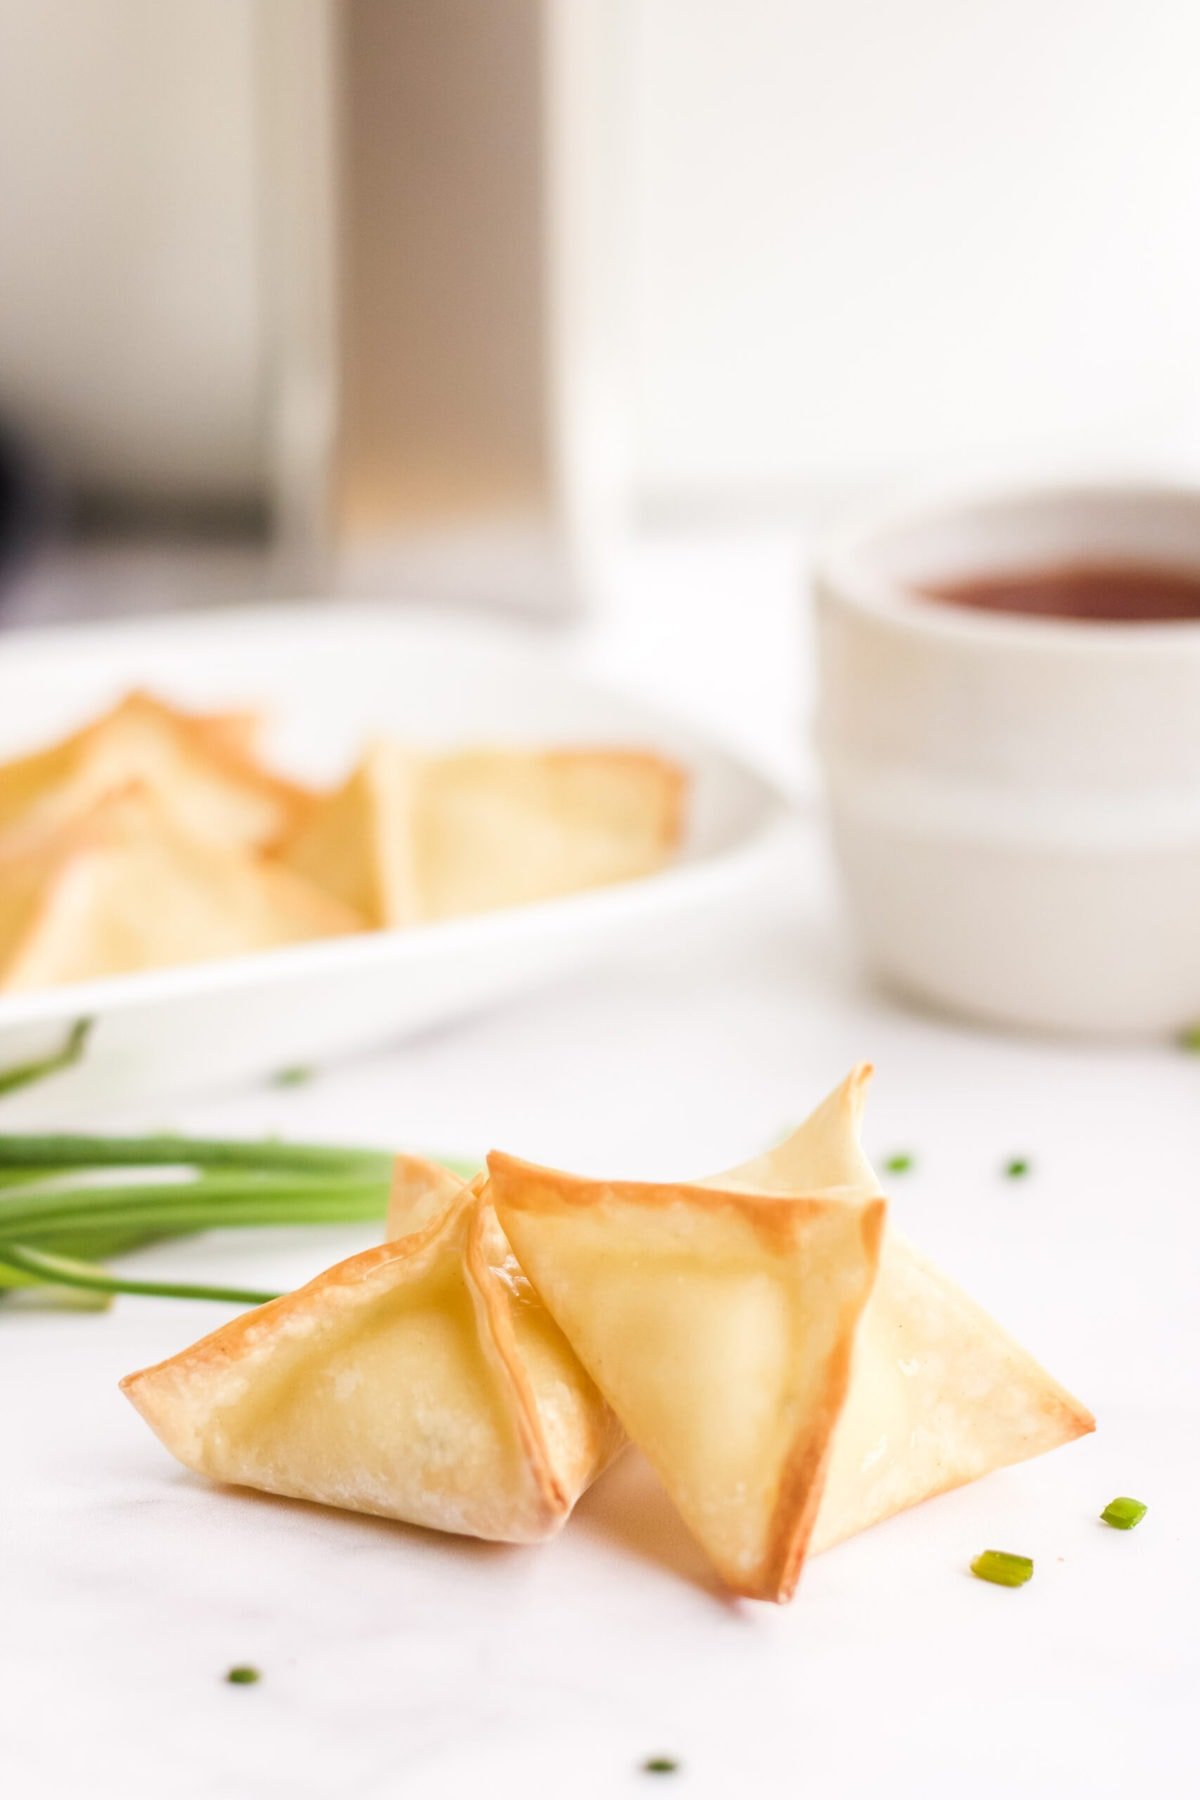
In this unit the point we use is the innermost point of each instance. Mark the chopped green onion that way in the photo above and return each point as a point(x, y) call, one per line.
point(1189, 1039)
point(900, 1164)
point(1124, 1513)
point(1002, 1567)
point(243, 1675)
point(660, 1765)
point(25, 1074)
point(1017, 1168)
point(296, 1076)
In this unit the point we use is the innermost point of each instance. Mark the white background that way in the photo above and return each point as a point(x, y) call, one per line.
point(889, 232)
point(130, 261)
point(858, 237)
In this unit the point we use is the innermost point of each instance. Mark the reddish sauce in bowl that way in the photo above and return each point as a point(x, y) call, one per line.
point(1108, 593)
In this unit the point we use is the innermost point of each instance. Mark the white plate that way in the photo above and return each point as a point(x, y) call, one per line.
point(329, 676)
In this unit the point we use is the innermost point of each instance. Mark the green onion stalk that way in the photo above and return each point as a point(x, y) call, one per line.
point(69, 1203)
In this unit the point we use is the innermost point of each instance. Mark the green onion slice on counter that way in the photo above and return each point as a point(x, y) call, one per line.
point(1124, 1513)
point(1002, 1567)
point(298, 1075)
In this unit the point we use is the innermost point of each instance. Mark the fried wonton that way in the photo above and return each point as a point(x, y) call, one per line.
point(412, 838)
point(201, 764)
point(941, 1394)
point(126, 887)
point(421, 1381)
point(720, 1326)
point(796, 1376)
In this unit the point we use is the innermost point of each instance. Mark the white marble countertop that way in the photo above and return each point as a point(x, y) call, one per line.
point(397, 1663)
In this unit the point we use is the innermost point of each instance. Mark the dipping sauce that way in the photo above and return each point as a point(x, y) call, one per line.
point(1108, 593)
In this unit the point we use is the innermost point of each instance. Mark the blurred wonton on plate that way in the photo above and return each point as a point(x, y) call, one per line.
point(126, 886)
point(414, 838)
point(201, 763)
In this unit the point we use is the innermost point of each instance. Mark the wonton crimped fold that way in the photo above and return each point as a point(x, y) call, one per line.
point(412, 838)
point(202, 763)
point(125, 887)
point(421, 1381)
point(678, 1334)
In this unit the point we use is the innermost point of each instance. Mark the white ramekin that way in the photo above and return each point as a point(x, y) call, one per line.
point(1016, 801)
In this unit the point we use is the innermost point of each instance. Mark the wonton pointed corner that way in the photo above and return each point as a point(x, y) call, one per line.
point(203, 762)
point(357, 842)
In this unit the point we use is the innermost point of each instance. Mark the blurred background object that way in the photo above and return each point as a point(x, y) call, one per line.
point(446, 296)
point(871, 239)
